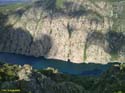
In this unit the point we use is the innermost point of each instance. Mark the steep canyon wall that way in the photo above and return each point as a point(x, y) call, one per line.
point(75, 30)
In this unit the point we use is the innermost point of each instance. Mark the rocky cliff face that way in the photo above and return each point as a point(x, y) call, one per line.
point(75, 30)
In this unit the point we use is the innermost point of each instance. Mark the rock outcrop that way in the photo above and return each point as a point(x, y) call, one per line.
point(25, 72)
point(47, 81)
point(33, 81)
point(75, 30)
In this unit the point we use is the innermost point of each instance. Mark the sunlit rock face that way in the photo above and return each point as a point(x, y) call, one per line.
point(75, 30)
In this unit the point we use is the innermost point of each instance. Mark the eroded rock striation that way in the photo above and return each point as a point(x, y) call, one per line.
point(75, 30)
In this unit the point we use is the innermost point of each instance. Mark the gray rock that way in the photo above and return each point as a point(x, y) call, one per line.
point(41, 31)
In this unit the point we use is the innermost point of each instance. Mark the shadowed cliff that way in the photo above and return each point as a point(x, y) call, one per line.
point(64, 30)
point(18, 40)
point(60, 8)
point(112, 42)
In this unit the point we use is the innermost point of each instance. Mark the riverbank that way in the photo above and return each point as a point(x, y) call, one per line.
point(62, 66)
point(28, 80)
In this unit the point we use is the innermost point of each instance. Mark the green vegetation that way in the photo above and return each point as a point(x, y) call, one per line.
point(6, 10)
point(11, 7)
point(114, 56)
point(114, 0)
point(122, 66)
point(84, 50)
point(59, 4)
point(119, 16)
point(111, 81)
point(118, 92)
point(86, 81)
point(54, 4)
point(95, 16)
point(49, 71)
point(108, 0)
point(8, 72)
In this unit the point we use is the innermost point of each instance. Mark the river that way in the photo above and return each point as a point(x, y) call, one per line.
point(62, 66)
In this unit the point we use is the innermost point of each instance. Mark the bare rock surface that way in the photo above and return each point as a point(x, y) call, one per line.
point(76, 32)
